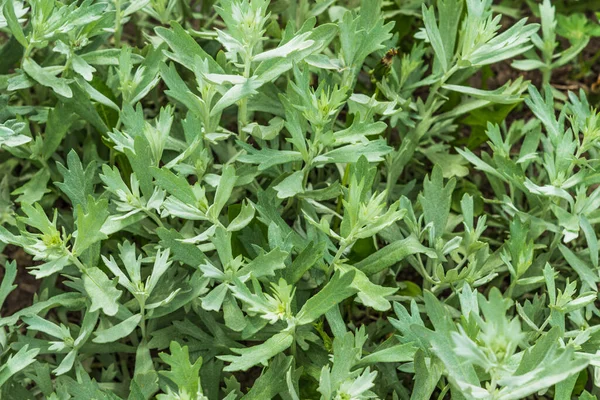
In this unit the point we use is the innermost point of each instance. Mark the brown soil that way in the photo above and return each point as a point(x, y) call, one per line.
point(22, 296)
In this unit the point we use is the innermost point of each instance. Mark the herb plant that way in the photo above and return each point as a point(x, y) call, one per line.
point(254, 199)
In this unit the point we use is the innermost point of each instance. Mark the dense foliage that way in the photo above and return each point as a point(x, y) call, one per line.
point(310, 199)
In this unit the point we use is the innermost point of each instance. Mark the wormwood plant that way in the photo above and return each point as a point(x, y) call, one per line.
point(247, 199)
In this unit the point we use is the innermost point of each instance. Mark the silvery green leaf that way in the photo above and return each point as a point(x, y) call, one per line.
point(266, 158)
point(358, 132)
point(321, 36)
point(66, 364)
point(290, 185)
point(591, 239)
point(118, 331)
point(134, 6)
point(259, 354)
point(585, 272)
point(46, 78)
point(17, 362)
point(548, 190)
point(510, 93)
point(10, 136)
point(161, 264)
point(264, 265)
point(263, 132)
point(184, 48)
point(436, 199)
point(224, 189)
point(37, 323)
point(89, 224)
point(77, 182)
point(337, 289)
point(397, 353)
point(7, 286)
point(297, 43)
point(434, 36)
point(50, 267)
point(236, 93)
point(11, 17)
point(101, 291)
point(373, 150)
point(82, 67)
point(183, 372)
point(370, 294)
point(245, 216)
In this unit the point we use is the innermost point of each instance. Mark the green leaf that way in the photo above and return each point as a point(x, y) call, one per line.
point(298, 42)
point(373, 151)
point(436, 200)
point(267, 158)
point(450, 12)
point(507, 94)
point(433, 33)
point(175, 185)
point(13, 22)
point(178, 90)
point(184, 374)
point(118, 331)
point(337, 289)
point(7, 286)
point(260, 354)
point(272, 381)
point(102, 291)
point(59, 121)
point(78, 183)
point(185, 49)
point(236, 93)
point(184, 252)
point(321, 36)
point(426, 376)
point(142, 164)
point(244, 217)
point(224, 189)
point(585, 272)
point(394, 354)
point(370, 294)
point(51, 267)
point(34, 190)
point(290, 186)
point(37, 323)
point(66, 300)
point(37, 218)
point(45, 78)
point(590, 238)
point(265, 264)
point(144, 374)
point(17, 362)
point(81, 105)
point(308, 257)
point(9, 134)
point(391, 254)
point(89, 224)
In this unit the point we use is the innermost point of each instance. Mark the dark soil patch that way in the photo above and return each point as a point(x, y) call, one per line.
point(27, 285)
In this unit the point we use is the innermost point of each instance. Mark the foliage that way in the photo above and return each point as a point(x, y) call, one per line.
point(247, 199)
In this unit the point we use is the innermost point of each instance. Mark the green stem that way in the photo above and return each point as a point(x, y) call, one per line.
point(243, 107)
point(142, 303)
point(343, 247)
point(154, 218)
point(78, 264)
point(546, 76)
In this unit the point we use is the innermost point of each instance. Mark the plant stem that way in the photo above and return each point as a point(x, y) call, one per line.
point(243, 107)
point(154, 218)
